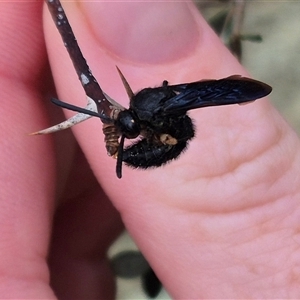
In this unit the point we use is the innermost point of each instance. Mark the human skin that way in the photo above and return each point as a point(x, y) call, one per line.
point(219, 222)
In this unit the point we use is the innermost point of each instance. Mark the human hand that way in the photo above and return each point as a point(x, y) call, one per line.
point(217, 222)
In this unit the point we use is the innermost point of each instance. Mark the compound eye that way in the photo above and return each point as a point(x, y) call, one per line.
point(128, 124)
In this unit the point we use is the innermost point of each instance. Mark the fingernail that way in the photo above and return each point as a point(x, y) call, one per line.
point(145, 32)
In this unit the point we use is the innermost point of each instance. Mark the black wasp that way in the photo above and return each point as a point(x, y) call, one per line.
point(157, 117)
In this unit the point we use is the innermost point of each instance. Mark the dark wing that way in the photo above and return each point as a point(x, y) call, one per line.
point(231, 90)
point(88, 81)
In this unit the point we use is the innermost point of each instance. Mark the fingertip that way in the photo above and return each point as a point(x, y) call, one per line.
point(147, 32)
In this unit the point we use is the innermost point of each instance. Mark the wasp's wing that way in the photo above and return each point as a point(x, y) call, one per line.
point(231, 90)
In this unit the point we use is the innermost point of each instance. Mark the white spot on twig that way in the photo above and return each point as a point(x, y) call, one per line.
point(84, 79)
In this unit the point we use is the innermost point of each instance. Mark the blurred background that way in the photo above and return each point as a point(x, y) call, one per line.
point(275, 60)
point(266, 36)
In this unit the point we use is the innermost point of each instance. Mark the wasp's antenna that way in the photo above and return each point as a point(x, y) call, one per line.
point(126, 84)
point(80, 109)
